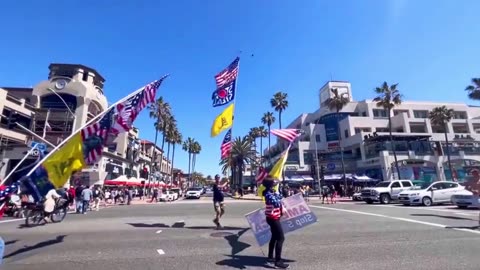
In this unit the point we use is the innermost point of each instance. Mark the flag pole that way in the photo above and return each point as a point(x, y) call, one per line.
point(19, 163)
point(233, 115)
point(35, 135)
point(93, 120)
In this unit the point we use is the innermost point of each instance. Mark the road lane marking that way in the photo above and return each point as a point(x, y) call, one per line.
point(396, 218)
point(437, 209)
point(160, 252)
point(159, 231)
point(20, 219)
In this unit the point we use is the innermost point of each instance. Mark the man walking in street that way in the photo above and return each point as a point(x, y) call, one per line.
point(218, 201)
point(86, 197)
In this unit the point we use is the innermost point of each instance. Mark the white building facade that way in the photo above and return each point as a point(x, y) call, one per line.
point(364, 136)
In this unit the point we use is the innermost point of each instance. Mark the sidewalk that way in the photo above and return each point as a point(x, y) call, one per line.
point(253, 197)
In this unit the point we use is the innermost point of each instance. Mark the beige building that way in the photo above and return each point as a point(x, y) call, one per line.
point(70, 97)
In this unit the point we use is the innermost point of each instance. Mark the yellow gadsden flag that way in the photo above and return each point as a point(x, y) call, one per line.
point(223, 121)
point(276, 171)
point(64, 161)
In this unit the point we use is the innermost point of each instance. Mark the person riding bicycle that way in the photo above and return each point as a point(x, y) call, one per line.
point(50, 201)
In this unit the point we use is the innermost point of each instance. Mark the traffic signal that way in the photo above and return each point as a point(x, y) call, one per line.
point(322, 172)
point(12, 120)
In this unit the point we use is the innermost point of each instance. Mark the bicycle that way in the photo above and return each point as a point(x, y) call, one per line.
point(37, 214)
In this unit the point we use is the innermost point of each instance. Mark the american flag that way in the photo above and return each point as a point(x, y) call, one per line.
point(261, 175)
point(4, 195)
point(288, 134)
point(227, 75)
point(101, 129)
point(226, 144)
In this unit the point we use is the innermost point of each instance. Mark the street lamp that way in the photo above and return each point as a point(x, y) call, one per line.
point(68, 108)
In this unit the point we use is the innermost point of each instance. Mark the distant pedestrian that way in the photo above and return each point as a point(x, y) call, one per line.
point(325, 193)
point(333, 194)
point(273, 213)
point(86, 197)
point(78, 198)
point(218, 201)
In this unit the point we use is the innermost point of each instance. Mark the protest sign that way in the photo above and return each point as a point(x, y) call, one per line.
point(296, 215)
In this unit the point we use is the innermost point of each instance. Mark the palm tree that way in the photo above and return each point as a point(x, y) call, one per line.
point(253, 134)
point(279, 102)
point(187, 146)
point(240, 155)
point(196, 149)
point(169, 136)
point(336, 103)
point(440, 116)
point(262, 133)
point(474, 89)
point(268, 119)
point(389, 97)
point(158, 111)
point(176, 139)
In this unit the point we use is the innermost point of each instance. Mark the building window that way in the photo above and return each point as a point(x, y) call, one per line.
point(317, 138)
point(357, 130)
point(379, 113)
point(346, 133)
point(397, 112)
point(418, 128)
point(476, 128)
point(382, 130)
point(85, 76)
point(460, 128)
point(459, 115)
point(420, 114)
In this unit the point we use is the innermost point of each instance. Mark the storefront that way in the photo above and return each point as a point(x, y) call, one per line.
point(463, 170)
point(418, 170)
point(114, 170)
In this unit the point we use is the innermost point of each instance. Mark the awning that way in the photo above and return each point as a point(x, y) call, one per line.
point(296, 178)
point(307, 178)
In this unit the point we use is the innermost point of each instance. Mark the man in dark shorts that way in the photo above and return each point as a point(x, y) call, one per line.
point(218, 201)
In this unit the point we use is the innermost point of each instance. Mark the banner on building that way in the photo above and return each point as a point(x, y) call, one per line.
point(297, 215)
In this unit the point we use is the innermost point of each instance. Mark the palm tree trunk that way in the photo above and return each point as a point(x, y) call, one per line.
point(173, 159)
point(392, 145)
point(448, 154)
point(341, 151)
point(168, 155)
point(189, 166)
point(261, 151)
point(280, 119)
point(152, 159)
point(269, 154)
point(240, 177)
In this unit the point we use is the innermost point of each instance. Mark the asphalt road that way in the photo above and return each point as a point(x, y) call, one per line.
point(180, 235)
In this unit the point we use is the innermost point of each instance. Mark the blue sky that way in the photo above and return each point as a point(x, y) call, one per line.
point(430, 47)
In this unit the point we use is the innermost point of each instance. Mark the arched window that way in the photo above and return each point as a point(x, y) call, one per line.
point(53, 101)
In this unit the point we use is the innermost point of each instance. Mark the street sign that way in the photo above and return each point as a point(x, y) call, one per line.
point(40, 146)
point(331, 166)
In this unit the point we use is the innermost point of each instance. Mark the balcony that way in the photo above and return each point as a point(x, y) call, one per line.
point(421, 148)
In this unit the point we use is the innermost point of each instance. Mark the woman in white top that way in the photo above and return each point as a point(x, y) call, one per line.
point(49, 204)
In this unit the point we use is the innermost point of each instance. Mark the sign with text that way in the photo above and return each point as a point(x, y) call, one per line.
point(296, 215)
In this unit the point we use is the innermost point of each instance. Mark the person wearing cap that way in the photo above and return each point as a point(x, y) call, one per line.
point(273, 213)
point(218, 201)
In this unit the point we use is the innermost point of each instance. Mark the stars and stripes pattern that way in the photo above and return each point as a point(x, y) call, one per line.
point(261, 175)
point(228, 75)
point(288, 134)
point(100, 128)
point(4, 195)
point(226, 147)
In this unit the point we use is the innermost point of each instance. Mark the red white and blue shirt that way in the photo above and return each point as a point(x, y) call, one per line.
point(273, 205)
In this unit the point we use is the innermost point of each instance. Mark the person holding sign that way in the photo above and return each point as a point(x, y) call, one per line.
point(273, 213)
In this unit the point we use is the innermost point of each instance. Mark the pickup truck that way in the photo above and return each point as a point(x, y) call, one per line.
point(385, 192)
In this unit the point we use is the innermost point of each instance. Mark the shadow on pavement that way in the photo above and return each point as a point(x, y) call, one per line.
point(235, 244)
point(463, 227)
point(10, 242)
point(441, 216)
point(242, 262)
point(46, 243)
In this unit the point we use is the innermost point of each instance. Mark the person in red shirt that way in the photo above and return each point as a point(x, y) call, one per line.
point(273, 213)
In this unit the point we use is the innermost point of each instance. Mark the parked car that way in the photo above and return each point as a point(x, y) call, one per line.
point(464, 199)
point(167, 196)
point(357, 196)
point(385, 192)
point(178, 191)
point(430, 193)
point(195, 193)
